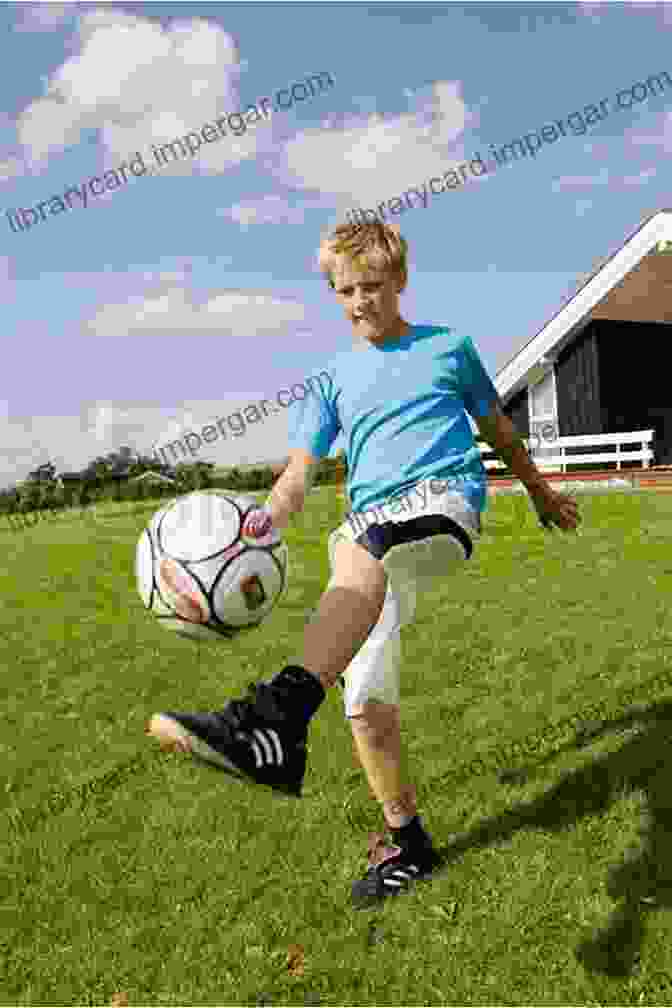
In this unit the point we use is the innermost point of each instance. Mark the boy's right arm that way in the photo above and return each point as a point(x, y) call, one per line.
point(290, 490)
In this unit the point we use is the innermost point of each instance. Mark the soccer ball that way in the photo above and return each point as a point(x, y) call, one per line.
point(195, 543)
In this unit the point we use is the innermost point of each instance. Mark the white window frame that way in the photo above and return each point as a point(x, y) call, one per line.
point(535, 422)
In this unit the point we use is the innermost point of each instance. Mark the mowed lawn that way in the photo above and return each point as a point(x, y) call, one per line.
point(125, 871)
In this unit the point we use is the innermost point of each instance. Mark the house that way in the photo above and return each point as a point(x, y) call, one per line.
point(598, 365)
point(70, 478)
point(152, 477)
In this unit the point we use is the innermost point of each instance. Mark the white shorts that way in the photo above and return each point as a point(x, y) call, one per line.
point(437, 542)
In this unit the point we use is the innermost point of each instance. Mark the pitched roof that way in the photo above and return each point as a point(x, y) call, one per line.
point(577, 310)
point(153, 476)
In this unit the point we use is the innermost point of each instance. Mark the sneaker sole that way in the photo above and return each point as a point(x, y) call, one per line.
point(370, 901)
point(174, 737)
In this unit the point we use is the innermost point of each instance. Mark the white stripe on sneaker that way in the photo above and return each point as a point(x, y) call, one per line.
point(279, 754)
point(401, 875)
point(265, 745)
point(258, 758)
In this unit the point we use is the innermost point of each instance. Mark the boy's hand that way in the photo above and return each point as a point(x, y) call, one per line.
point(554, 508)
point(258, 524)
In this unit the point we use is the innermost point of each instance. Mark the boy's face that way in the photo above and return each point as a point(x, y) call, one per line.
point(370, 299)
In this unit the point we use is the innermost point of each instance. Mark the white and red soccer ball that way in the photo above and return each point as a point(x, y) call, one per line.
point(200, 575)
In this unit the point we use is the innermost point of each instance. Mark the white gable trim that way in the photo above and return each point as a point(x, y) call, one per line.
point(515, 374)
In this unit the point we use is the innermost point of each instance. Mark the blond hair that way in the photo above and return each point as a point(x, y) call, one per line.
point(378, 245)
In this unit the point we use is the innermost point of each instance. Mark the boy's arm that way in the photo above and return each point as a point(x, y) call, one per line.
point(505, 441)
point(291, 488)
point(552, 508)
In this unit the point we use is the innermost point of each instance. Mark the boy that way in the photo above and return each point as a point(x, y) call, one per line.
point(400, 398)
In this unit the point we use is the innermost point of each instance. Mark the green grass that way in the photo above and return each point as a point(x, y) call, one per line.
point(127, 871)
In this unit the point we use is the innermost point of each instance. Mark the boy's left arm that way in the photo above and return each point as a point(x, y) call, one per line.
point(552, 508)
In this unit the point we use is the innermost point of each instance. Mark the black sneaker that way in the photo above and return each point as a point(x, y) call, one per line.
point(254, 738)
point(391, 871)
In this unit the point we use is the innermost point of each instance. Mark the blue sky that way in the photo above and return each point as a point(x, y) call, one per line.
point(184, 295)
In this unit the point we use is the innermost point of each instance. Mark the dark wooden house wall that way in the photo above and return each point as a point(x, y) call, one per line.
point(635, 391)
point(577, 377)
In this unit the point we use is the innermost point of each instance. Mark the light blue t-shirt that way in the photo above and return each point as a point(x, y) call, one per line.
point(401, 408)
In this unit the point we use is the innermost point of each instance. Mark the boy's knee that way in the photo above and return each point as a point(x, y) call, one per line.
point(378, 721)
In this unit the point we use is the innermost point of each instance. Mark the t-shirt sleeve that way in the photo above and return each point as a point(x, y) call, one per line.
point(478, 392)
point(313, 421)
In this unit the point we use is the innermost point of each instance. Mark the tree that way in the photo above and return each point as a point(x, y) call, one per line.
point(57, 497)
point(204, 471)
point(28, 494)
point(14, 507)
point(45, 495)
point(233, 479)
point(84, 495)
point(259, 479)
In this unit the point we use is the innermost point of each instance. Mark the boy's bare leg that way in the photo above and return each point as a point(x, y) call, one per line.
point(377, 733)
point(347, 612)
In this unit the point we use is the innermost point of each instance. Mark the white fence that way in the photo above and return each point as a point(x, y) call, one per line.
point(559, 461)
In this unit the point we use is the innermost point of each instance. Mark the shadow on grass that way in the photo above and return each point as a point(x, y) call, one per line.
point(643, 880)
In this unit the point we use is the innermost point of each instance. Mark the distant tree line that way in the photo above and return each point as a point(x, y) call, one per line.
point(115, 477)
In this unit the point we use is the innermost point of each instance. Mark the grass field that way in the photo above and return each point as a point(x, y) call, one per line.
point(128, 872)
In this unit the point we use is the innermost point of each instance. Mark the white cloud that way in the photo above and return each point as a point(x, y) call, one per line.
point(367, 158)
point(139, 83)
point(374, 158)
point(229, 313)
point(238, 441)
point(103, 426)
point(70, 442)
point(269, 209)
